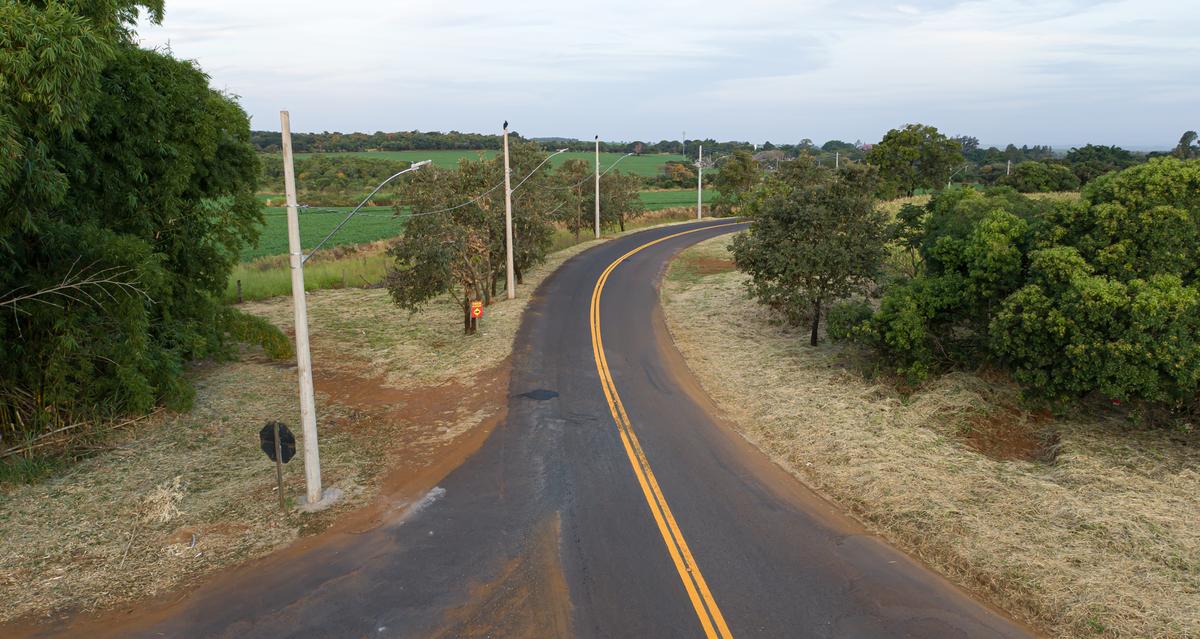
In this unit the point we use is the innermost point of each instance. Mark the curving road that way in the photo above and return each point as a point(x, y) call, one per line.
point(612, 502)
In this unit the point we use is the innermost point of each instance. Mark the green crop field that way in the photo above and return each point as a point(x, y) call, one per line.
point(645, 165)
point(655, 200)
point(377, 223)
point(373, 223)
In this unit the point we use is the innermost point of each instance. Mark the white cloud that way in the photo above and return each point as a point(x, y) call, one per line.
point(1022, 70)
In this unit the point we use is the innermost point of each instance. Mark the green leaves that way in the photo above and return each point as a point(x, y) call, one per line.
point(915, 157)
point(816, 238)
point(114, 159)
point(1100, 296)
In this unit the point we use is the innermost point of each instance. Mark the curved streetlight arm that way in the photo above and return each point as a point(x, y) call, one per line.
point(414, 167)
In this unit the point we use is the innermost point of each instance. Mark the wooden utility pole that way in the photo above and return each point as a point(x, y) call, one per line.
point(700, 183)
point(308, 407)
point(597, 187)
point(837, 160)
point(508, 235)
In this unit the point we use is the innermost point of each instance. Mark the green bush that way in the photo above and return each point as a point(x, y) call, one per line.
point(252, 329)
point(126, 193)
point(847, 319)
point(1095, 296)
point(1040, 177)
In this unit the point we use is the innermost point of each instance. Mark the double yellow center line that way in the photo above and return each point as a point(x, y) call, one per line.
point(702, 600)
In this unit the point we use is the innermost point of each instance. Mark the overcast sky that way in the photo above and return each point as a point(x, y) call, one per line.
point(1058, 72)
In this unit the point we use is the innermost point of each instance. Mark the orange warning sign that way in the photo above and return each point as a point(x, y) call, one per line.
point(477, 309)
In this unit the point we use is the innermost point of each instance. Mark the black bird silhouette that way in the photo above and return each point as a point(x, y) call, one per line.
point(506, 124)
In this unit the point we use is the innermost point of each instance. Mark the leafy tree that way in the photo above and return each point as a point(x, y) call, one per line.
point(737, 176)
point(1040, 177)
point(816, 238)
point(121, 161)
point(915, 157)
point(1091, 161)
point(1100, 295)
point(454, 242)
point(1187, 148)
point(620, 199)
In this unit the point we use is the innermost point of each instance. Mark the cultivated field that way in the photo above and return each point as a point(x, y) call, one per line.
point(369, 225)
point(644, 165)
point(377, 223)
point(1085, 525)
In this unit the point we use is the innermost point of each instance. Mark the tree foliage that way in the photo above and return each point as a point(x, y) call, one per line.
point(1040, 177)
point(1096, 296)
point(816, 238)
point(737, 177)
point(454, 243)
point(915, 157)
point(115, 160)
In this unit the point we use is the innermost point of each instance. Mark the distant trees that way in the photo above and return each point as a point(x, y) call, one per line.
point(816, 238)
point(1040, 177)
point(1091, 161)
point(121, 161)
point(1187, 148)
point(736, 178)
point(915, 157)
point(331, 180)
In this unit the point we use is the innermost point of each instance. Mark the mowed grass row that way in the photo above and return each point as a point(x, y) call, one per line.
point(644, 165)
point(376, 223)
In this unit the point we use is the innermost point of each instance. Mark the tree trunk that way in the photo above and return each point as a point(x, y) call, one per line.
point(517, 274)
point(466, 315)
point(816, 322)
point(621, 221)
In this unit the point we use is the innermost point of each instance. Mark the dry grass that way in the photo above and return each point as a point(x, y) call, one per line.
point(120, 525)
point(1103, 542)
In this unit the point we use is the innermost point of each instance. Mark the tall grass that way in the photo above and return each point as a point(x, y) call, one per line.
point(269, 277)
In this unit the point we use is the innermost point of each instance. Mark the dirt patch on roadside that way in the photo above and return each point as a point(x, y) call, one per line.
point(529, 597)
point(1008, 434)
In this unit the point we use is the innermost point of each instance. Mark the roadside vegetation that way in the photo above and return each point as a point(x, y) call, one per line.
point(1012, 391)
point(1082, 524)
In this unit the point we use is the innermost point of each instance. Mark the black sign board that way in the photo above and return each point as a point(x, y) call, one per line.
point(287, 441)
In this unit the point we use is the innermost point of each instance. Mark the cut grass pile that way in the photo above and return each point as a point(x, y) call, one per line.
point(645, 165)
point(1104, 541)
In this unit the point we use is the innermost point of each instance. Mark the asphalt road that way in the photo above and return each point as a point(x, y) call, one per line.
point(611, 502)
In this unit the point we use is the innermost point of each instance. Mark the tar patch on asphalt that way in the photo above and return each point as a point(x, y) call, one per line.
point(539, 394)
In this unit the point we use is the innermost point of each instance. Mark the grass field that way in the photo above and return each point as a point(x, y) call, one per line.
point(371, 224)
point(655, 200)
point(645, 165)
point(376, 223)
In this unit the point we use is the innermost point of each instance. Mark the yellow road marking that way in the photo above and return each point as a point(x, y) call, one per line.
point(697, 589)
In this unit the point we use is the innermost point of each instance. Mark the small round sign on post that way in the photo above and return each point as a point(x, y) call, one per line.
point(280, 446)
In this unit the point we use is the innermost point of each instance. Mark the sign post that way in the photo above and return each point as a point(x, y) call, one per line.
point(280, 446)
